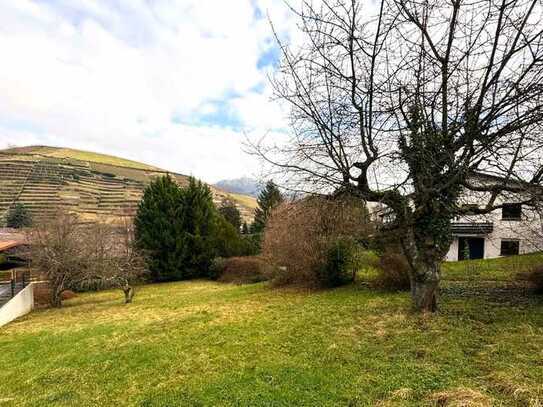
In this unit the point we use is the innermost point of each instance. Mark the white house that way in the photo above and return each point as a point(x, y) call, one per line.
point(512, 229)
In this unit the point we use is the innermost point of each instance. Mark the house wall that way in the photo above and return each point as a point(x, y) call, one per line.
point(452, 255)
point(18, 306)
point(528, 231)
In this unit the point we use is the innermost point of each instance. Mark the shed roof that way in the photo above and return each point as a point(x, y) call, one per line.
point(10, 244)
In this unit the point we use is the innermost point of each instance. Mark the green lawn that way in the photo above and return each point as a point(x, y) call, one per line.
point(206, 343)
point(500, 269)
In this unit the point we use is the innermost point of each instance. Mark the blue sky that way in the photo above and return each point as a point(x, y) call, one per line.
point(178, 84)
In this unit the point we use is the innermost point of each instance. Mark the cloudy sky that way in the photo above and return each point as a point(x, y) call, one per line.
point(172, 83)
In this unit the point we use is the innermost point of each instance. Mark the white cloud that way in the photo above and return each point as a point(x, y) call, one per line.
point(112, 77)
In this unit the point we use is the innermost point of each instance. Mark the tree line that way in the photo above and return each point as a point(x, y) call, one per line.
point(176, 235)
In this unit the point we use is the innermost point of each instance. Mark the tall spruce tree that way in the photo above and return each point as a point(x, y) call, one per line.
point(267, 200)
point(175, 228)
point(198, 229)
point(158, 229)
point(230, 212)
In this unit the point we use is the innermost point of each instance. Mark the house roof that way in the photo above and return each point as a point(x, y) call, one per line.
point(10, 244)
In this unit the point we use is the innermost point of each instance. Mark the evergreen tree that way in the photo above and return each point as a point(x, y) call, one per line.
point(231, 213)
point(19, 217)
point(158, 227)
point(267, 200)
point(228, 241)
point(245, 229)
point(198, 228)
point(176, 228)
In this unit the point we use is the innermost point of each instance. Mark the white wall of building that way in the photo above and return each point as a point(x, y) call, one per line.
point(528, 231)
point(18, 306)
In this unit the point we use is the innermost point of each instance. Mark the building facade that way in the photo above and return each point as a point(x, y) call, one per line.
point(512, 229)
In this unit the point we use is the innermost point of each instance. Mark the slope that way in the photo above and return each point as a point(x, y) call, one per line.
point(95, 186)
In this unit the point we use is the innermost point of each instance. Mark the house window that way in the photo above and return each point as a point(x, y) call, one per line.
point(512, 211)
point(510, 248)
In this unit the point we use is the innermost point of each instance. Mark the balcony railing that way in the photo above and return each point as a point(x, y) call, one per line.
point(472, 228)
point(16, 281)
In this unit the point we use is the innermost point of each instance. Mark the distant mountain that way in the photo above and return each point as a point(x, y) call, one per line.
point(245, 186)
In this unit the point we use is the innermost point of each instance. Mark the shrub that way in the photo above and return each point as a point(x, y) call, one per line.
point(534, 276)
point(228, 242)
point(393, 273)
point(19, 217)
point(251, 245)
point(340, 266)
point(241, 270)
point(300, 237)
point(68, 295)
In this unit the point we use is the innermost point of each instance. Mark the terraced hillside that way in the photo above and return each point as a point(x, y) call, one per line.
point(96, 186)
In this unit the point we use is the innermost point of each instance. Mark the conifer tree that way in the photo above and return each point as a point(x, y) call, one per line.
point(19, 217)
point(158, 229)
point(230, 212)
point(198, 228)
point(267, 200)
point(176, 229)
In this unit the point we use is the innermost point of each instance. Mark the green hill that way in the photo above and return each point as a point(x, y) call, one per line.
point(95, 186)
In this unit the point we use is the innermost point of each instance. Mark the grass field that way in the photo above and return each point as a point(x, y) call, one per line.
point(248, 201)
point(70, 153)
point(206, 343)
point(500, 269)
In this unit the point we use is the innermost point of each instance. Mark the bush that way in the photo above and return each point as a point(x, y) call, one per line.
point(251, 245)
point(240, 270)
point(301, 238)
point(535, 277)
point(19, 217)
point(340, 267)
point(230, 243)
point(393, 273)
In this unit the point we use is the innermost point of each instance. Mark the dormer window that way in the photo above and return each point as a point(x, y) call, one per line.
point(512, 211)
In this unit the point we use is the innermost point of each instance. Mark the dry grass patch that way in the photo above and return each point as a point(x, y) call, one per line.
point(512, 387)
point(461, 397)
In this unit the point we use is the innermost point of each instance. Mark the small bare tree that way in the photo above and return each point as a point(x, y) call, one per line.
point(71, 255)
point(114, 261)
point(56, 252)
point(402, 102)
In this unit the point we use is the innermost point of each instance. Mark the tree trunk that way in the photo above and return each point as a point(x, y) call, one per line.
point(56, 298)
point(128, 294)
point(425, 264)
point(424, 292)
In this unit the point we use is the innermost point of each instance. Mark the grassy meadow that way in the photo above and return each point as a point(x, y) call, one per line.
point(202, 343)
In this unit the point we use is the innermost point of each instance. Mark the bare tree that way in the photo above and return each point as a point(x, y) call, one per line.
point(402, 102)
point(113, 260)
point(55, 251)
point(71, 255)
